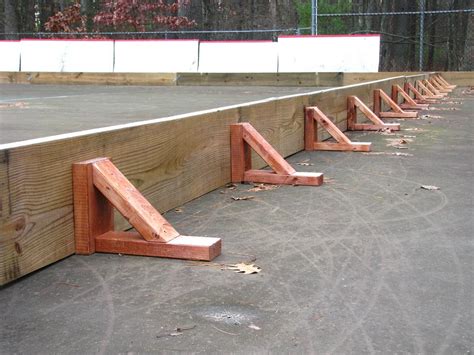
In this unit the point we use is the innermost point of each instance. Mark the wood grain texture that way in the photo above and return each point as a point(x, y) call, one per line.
point(155, 79)
point(170, 161)
point(131, 203)
point(182, 247)
point(93, 214)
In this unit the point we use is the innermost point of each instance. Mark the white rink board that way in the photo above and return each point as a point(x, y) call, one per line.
point(67, 56)
point(9, 55)
point(238, 57)
point(329, 53)
point(156, 56)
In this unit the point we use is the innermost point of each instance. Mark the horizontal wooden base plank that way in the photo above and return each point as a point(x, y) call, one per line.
point(354, 146)
point(398, 114)
point(181, 247)
point(373, 127)
point(298, 178)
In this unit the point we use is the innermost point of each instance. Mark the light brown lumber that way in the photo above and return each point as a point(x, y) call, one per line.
point(313, 116)
point(354, 103)
point(379, 97)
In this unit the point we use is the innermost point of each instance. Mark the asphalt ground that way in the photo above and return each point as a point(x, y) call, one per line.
point(369, 262)
point(37, 111)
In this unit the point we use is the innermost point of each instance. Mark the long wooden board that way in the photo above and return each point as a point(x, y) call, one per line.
point(171, 161)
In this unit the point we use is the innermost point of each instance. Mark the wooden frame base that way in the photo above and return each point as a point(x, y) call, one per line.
point(418, 97)
point(433, 89)
point(444, 82)
point(354, 103)
point(440, 87)
point(313, 117)
point(427, 92)
point(99, 187)
point(243, 138)
point(408, 102)
point(397, 112)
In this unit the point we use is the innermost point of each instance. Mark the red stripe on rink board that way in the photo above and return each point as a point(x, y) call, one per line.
point(315, 36)
point(66, 39)
point(9, 40)
point(238, 41)
point(157, 40)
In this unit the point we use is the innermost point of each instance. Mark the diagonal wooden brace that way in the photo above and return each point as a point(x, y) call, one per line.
point(438, 86)
point(435, 80)
point(408, 102)
point(427, 92)
point(99, 187)
point(433, 89)
point(314, 116)
point(397, 112)
point(243, 138)
point(354, 103)
point(419, 98)
point(448, 85)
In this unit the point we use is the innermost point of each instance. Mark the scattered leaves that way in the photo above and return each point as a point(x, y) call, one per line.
point(243, 198)
point(243, 268)
point(231, 186)
point(14, 105)
point(399, 143)
point(175, 332)
point(428, 117)
point(263, 187)
point(390, 153)
point(430, 187)
point(386, 131)
point(305, 163)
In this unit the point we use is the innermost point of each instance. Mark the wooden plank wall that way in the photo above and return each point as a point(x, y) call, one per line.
point(171, 161)
point(217, 79)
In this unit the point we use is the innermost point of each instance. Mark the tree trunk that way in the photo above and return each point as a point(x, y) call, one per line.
point(11, 20)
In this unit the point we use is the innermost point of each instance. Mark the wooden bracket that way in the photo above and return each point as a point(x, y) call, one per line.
point(408, 102)
point(435, 79)
point(354, 103)
point(443, 81)
point(419, 98)
point(427, 92)
point(397, 112)
point(99, 187)
point(438, 86)
point(433, 89)
point(313, 116)
point(243, 137)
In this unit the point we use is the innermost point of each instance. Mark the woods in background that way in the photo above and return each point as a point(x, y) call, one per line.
point(448, 37)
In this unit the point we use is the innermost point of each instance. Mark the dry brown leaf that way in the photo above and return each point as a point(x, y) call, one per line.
point(231, 186)
point(430, 187)
point(427, 117)
point(178, 210)
point(16, 105)
point(263, 187)
point(243, 268)
point(390, 153)
point(243, 198)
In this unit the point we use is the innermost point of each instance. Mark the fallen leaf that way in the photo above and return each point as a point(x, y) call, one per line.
point(175, 332)
point(263, 187)
point(386, 132)
point(430, 187)
point(390, 153)
point(178, 210)
point(243, 268)
point(16, 104)
point(231, 186)
point(253, 326)
point(244, 198)
point(427, 117)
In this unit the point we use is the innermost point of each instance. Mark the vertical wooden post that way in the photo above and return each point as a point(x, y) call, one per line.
point(93, 213)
